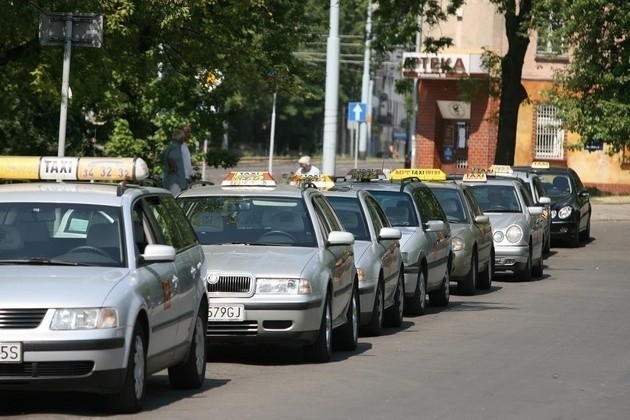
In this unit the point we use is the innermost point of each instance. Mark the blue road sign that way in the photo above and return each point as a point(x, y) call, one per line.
point(357, 111)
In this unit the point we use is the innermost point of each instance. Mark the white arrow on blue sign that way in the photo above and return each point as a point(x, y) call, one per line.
point(357, 111)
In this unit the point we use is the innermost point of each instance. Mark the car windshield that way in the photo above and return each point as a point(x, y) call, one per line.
point(348, 210)
point(398, 207)
point(497, 198)
point(60, 234)
point(555, 184)
point(252, 220)
point(451, 202)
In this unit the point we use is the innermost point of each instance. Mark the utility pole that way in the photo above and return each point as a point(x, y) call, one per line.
point(332, 92)
point(366, 93)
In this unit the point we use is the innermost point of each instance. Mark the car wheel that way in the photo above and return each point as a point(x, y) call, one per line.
point(547, 246)
point(191, 373)
point(538, 268)
point(346, 337)
point(394, 314)
point(467, 286)
point(525, 274)
point(375, 326)
point(586, 234)
point(321, 350)
point(485, 280)
point(130, 398)
point(416, 305)
point(441, 296)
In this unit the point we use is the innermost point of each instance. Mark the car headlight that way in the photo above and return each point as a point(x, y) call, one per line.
point(284, 286)
point(458, 244)
point(84, 318)
point(565, 212)
point(498, 236)
point(514, 234)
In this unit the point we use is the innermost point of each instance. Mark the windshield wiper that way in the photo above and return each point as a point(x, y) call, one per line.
point(42, 261)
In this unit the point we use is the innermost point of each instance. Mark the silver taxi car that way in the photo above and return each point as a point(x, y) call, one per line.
point(280, 265)
point(426, 236)
point(517, 224)
point(101, 282)
point(377, 257)
point(471, 231)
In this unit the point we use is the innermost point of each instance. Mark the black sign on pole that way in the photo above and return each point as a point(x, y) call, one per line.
point(87, 29)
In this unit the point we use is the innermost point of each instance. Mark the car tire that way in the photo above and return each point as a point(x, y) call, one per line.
point(525, 274)
point(538, 268)
point(467, 286)
point(131, 396)
point(441, 296)
point(416, 305)
point(321, 350)
point(346, 337)
point(375, 327)
point(586, 234)
point(547, 245)
point(394, 314)
point(485, 279)
point(191, 373)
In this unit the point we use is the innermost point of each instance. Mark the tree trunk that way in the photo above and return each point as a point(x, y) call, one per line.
point(512, 91)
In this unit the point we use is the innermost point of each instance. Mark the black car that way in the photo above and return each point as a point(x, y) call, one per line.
point(570, 203)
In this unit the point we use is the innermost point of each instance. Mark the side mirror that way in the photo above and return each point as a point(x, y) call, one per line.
point(158, 253)
point(337, 237)
point(389, 233)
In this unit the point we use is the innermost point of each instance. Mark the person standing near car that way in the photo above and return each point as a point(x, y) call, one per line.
point(186, 153)
point(174, 176)
point(306, 168)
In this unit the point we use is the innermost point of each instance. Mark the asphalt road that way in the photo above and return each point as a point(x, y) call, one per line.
point(554, 348)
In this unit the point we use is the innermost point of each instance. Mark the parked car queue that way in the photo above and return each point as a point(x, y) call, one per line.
point(316, 263)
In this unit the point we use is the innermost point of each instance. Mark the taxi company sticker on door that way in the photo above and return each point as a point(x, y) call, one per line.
point(166, 293)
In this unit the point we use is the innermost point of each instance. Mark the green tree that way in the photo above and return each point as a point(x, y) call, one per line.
point(593, 91)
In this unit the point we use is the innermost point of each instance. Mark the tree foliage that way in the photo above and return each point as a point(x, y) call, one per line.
point(593, 92)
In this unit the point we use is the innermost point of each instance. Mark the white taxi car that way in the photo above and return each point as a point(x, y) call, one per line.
point(517, 223)
point(101, 282)
point(377, 256)
point(280, 265)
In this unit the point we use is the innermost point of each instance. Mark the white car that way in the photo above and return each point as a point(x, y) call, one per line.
point(101, 282)
point(517, 224)
point(377, 256)
point(281, 266)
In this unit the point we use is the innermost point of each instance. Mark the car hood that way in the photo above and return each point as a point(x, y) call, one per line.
point(501, 221)
point(260, 261)
point(53, 287)
point(557, 202)
point(407, 234)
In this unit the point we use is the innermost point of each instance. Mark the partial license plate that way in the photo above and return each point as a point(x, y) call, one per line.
point(10, 352)
point(226, 313)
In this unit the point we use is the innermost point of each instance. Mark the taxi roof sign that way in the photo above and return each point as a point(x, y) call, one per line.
point(367, 174)
point(249, 179)
point(424, 174)
point(501, 169)
point(72, 168)
point(321, 182)
point(475, 177)
point(540, 165)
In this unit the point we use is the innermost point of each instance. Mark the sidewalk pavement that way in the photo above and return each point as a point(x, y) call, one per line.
point(610, 212)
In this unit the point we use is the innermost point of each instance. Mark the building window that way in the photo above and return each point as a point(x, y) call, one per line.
point(549, 133)
point(549, 46)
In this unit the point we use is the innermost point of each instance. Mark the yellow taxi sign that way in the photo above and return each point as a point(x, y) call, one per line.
point(321, 182)
point(72, 168)
point(485, 171)
point(475, 177)
point(501, 169)
point(249, 179)
point(424, 174)
point(540, 165)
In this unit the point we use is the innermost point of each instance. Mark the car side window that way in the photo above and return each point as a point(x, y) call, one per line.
point(472, 203)
point(578, 182)
point(327, 211)
point(430, 205)
point(527, 196)
point(167, 226)
point(377, 215)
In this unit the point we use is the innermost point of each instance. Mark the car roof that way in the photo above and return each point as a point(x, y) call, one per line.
point(281, 190)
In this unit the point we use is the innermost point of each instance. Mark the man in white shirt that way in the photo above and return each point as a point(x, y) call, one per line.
point(306, 168)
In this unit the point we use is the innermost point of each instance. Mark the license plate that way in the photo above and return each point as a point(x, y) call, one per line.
point(226, 313)
point(10, 352)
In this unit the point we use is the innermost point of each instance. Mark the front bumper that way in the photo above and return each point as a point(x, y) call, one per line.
point(563, 229)
point(510, 257)
point(269, 321)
